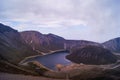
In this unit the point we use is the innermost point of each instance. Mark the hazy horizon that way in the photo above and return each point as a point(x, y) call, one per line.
point(91, 20)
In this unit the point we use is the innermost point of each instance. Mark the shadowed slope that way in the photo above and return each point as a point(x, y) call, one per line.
point(91, 55)
point(12, 47)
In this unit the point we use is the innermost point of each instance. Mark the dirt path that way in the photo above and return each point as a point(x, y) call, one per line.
point(7, 76)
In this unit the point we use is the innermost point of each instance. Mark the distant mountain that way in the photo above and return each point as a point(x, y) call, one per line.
point(113, 45)
point(91, 55)
point(12, 47)
point(71, 44)
point(50, 42)
point(43, 42)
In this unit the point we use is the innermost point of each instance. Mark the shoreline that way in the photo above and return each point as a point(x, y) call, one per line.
point(26, 60)
point(53, 52)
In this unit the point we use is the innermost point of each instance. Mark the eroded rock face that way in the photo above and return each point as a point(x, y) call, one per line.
point(91, 55)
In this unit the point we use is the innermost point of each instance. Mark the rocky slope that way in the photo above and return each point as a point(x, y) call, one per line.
point(43, 42)
point(92, 55)
point(12, 47)
point(113, 45)
point(50, 42)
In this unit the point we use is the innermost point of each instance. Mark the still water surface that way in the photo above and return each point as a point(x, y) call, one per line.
point(51, 60)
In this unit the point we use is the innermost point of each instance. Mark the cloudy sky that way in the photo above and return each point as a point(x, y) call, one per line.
point(94, 20)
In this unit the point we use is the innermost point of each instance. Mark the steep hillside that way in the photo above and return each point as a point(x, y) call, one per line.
point(91, 55)
point(12, 47)
point(113, 45)
point(41, 42)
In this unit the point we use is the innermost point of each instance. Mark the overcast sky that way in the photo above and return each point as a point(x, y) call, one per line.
point(94, 20)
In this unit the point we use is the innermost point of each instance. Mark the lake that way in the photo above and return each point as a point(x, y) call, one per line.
point(51, 60)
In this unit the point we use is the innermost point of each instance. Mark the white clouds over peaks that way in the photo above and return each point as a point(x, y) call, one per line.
point(99, 16)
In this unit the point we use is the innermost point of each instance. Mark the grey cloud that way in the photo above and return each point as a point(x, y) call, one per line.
point(101, 15)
